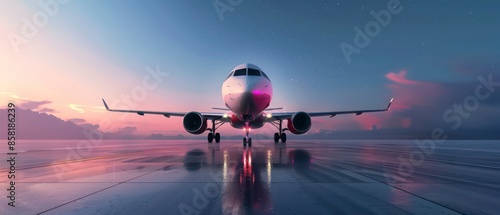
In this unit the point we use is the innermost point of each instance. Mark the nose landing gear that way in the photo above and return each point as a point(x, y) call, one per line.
point(247, 139)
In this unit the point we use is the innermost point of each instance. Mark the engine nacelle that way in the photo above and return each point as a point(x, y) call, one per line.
point(299, 123)
point(194, 123)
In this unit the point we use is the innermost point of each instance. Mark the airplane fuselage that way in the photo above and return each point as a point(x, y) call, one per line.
point(247, 92)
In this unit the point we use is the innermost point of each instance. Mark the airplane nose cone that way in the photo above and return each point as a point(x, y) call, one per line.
point(251, 87)
point(246, 87)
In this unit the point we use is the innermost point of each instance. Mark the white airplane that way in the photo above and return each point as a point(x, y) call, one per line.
point(247, 93)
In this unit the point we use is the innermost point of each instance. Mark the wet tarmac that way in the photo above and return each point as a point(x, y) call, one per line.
point(299, 177)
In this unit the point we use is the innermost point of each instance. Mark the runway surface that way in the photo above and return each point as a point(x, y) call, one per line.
point(299, 177)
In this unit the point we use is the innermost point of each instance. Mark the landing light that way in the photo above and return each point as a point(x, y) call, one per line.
point(269, 115)
point(224, 116)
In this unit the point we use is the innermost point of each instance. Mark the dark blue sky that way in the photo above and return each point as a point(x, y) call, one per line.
point(297, 42)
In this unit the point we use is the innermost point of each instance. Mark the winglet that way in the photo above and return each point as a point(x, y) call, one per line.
point(105, 105)
point(390, 103)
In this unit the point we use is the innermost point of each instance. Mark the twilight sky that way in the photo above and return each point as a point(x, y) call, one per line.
point(62, 57)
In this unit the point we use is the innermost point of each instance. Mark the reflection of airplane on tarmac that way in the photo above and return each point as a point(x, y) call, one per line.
point(245, 177)
point(247, 93)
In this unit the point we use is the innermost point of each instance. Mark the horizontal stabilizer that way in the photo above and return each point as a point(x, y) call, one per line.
point(216, 108)
point(280, 108)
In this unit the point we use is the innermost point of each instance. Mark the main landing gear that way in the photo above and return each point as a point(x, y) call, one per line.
point(212, 135)
point(281, 135)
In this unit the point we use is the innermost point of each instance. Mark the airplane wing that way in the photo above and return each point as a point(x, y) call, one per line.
point(214, 116)
point(286, 115)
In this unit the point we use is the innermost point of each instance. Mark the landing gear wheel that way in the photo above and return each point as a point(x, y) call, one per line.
point(244, 142)
point(283, 137)
point(210, 137)
point(250, 141)
point(276, 137)
point(217, 137)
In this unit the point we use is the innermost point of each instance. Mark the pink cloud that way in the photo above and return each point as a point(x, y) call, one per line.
point(46, 110)
point(369, 120)
point(33, 105)
point(410, 96)
point(410, 93)
point(400, 78)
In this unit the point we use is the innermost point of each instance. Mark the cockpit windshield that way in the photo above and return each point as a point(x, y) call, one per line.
point(240, 72)
point(249, 72)
point(253, 72)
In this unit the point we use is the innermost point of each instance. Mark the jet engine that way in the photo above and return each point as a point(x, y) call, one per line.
point(299, 123)
point(194, 123)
